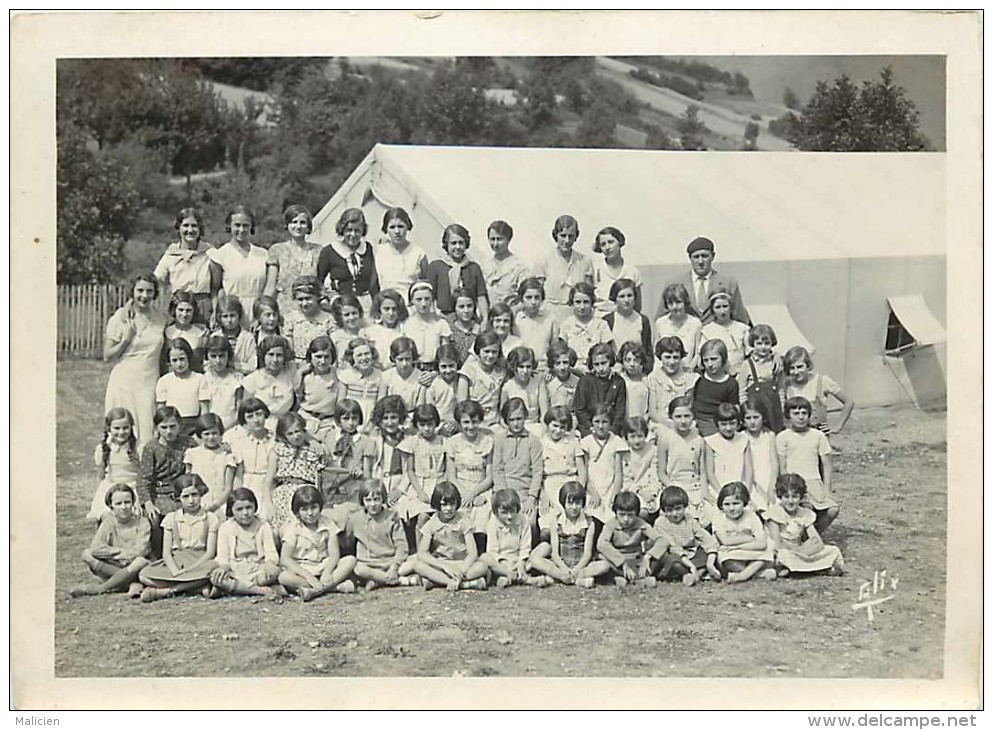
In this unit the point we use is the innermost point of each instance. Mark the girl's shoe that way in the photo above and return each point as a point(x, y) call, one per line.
point(135, 590)
point(839, 567)
point(307, 594)
point(538, 581)
point(689, 579)
point(478, 584)
point(410, 580)
point(648, 582)
point(584, 582)
point(502, 582)
point(620, 581)
point(346, 586)
point(769, 574)
point(79, 591)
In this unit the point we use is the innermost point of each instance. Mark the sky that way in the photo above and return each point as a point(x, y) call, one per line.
point(922, 77)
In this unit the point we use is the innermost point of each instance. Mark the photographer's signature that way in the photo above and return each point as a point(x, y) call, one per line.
point(872, 593)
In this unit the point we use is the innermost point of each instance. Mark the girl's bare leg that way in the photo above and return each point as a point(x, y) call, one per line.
point(498, 568)
point(373, 576)
point(748, 572)
point(825, 517)
point(431, 574)
point(547, 567)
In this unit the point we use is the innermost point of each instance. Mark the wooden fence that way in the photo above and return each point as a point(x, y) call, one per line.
point(83, 311)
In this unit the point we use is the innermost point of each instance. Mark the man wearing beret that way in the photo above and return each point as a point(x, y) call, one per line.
point(702, 281)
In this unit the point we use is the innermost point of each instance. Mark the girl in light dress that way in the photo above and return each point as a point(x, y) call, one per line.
point(525, 384)
point(247, 560)
point(361, 378)
point(245, 266)
point(399, 262)
point(448, 389)
point(626, 323)
point(346, 311)
point(295, 460)
point(677, 322)
point(268, 320)
point(680, 459)
point(307, 320)
point(765, 460)
point(799, 548)
point(609, 242)
point(222, 384)
point(318, 391)
point(581, 330)
point(183, 309)
point(290, 259)
point(426, 327)
point(743, 550)
point(605, 458)
point(117, 457)
point(667, 380)
point(251, 447)
point(388, 312)
point(803, 382)
point(189, 545)
point(535, 326)
point(446, 549)
point(212, 461)
point(633, 359)
point(275, 382)
point(641, 470)
point(182, 388)
point(403, 379)
point(506, 271)
point(469, 463)
point(381, 547)
point(424, 464)
point(486, 374)
point(732, 333)
point(562, 381)
point(228, 313)
point(119, 549)
point(501, 321)
point(309, 558)
point(726, 457)
point(562, 460)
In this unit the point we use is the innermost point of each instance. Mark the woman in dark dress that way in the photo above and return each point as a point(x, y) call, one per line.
point(347, 266)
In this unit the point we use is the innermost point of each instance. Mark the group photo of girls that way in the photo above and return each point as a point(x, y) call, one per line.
point(320, 418)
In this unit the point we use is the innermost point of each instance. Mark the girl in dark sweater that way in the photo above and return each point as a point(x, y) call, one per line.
point(714, 386)
point(601, 385)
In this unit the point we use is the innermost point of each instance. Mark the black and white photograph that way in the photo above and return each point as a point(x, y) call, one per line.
point(440, 348)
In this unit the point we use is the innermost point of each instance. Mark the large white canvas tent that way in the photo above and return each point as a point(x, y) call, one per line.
point(822, 245)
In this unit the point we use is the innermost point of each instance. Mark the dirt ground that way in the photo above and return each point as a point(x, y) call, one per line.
point(890, 479)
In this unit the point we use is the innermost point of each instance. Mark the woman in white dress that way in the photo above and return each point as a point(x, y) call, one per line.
point(246, 272)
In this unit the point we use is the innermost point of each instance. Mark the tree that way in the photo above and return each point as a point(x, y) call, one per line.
point(538, 101)
point(751, 136)
point(597, 125)
point(691, 129)
point(453, 111)
point(97, 206)
point(876, 117)
point(790, 99)
point(658, 139)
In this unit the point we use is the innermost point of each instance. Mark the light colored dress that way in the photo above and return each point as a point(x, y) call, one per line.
point(581, 336)
point(817, 388)
point(190, 534)
point(748, 525)
point(211, 465)
point(734, 335)
point(637, 395)
point(468, 459)
point(800, 453)
point(559, 464)
point(688, 333)
point(429, 467)
point(121, 468)
point(243, 274)
point(600, 466)
point(222, 394)
point(504, 277)
point(399, 269)
point(427, 335)
point(310, 547)
point(763, 448)
point(536, 332)
point(301, 331)
point(604, 278)
point(244, 550)
point(682, 467)
point(362, 389)
point(253, 455)
point(182, 392)
point(529, 394)
point(293, 262)
point(729, 458)
point(295, 466)
point(136, 371)
point(381, 336)
point(792, 533)
point(276, 391)
point(484, 388)
point(641, 475)
point(407, 388)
